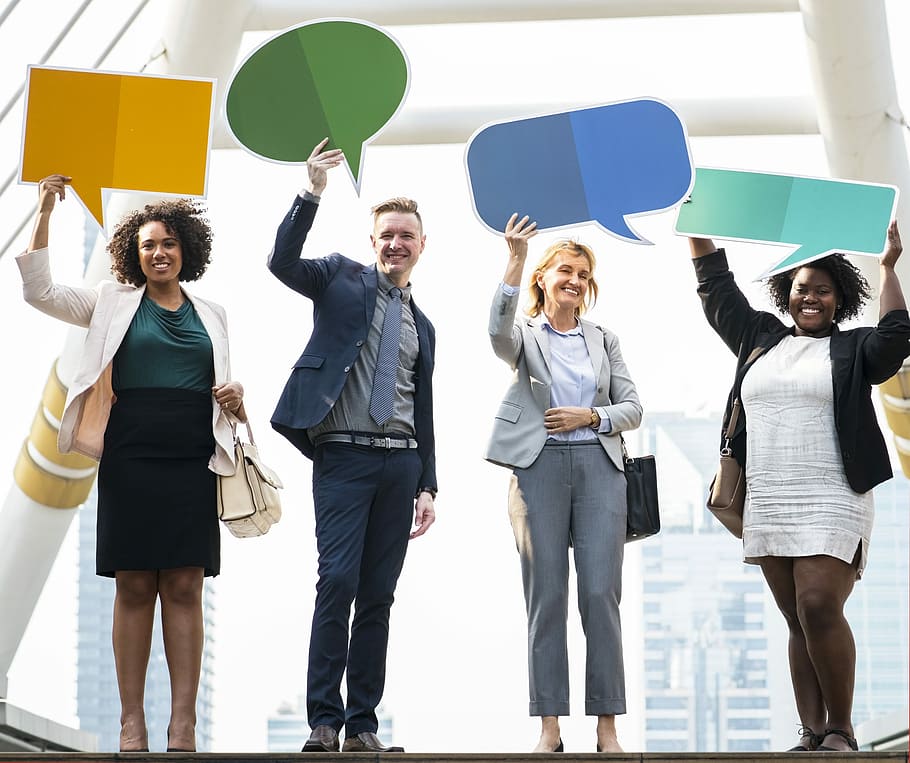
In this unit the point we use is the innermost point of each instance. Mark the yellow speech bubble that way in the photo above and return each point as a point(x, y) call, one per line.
point(132, 132)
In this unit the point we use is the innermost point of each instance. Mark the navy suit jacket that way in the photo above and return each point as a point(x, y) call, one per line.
point(344, 297)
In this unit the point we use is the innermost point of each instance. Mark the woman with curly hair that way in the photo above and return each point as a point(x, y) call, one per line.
point(153, 400)
point(812, 451)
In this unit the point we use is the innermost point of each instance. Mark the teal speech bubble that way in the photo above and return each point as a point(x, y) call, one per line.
point(338, 78)
point(817, 215)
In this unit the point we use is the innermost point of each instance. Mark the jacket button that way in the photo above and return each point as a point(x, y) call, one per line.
point(600, 390)
point(359, 343)
point(347, 368)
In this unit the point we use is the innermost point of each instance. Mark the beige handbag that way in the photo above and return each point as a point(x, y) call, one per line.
point(248, 500)
point(727, 494)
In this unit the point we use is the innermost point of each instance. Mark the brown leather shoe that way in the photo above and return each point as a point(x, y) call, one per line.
point(367, 741)
point(323, 739)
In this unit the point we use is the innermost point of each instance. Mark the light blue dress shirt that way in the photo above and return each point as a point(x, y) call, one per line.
point(572, 376)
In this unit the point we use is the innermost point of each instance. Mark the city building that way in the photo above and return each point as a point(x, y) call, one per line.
point(97, 699)
point(288, 727)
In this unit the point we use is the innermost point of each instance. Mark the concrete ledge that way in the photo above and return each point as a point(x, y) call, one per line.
point(22, 731)
point(339, 757)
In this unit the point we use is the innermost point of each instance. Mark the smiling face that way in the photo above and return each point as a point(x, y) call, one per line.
point(564, 282)
point(160, 253)
point(813, 302)
point(398, 241)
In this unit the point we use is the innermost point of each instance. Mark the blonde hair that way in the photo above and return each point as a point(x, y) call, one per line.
point(400, 204)
point(536, 302)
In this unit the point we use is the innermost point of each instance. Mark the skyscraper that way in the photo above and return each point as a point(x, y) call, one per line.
point(97, 699)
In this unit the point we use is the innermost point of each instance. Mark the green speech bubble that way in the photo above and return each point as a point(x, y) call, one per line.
point(338, 78)
point(818, 215)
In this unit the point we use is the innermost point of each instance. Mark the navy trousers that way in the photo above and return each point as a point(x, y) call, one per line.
point(364, 501)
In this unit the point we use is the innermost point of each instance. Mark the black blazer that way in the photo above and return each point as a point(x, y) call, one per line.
point(344, 296)
point(860, 358)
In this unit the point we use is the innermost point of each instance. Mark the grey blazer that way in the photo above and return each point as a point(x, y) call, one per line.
point(518, 431)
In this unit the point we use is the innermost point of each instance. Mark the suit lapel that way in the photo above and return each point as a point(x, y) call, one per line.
point(542, 338)
point(594, 341)
point(370, 284)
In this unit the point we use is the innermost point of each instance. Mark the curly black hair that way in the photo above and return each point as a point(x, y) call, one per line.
point(184, 219)
point(852, 286)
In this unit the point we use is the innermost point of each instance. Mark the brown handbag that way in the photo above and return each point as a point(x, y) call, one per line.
point(727, 493)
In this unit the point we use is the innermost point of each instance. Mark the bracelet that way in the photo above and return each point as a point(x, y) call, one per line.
point(430, 490)
point(595, 420)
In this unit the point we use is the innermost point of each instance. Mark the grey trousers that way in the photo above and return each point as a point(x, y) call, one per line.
point(572, 495)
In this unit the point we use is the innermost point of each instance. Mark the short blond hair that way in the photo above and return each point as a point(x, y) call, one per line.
point(536, 302)
point(400, 204)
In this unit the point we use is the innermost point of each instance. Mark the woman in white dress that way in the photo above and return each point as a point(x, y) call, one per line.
point(812, 450)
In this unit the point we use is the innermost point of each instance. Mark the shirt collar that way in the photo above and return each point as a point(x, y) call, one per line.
point(571, 332)
point(385, 283)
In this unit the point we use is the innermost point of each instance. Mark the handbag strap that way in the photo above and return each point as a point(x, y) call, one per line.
point(249, 431)
point(737, 406)
point(627, 459)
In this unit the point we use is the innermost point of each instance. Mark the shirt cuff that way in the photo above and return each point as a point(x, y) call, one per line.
point(307, 196)
point(509, 290)
point(606, 426)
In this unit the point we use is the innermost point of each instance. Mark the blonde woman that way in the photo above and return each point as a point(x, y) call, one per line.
point(558, 430)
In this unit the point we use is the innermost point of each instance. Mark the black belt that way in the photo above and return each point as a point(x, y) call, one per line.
point(371, 441)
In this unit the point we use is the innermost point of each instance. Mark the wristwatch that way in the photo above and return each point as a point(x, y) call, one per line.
point(595, 420)
point(430, 490)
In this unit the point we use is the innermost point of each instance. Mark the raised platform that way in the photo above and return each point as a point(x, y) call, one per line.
point(340, 757)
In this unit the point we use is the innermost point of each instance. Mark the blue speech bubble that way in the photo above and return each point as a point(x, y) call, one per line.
point(601, 164)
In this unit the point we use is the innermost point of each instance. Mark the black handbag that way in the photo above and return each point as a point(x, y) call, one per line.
point(642, 509)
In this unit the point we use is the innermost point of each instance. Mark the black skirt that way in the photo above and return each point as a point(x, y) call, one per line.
point(156, 494)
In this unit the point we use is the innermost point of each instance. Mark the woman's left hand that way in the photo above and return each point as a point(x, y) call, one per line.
point(894, 248)
point(566, 419)
point(229, 396)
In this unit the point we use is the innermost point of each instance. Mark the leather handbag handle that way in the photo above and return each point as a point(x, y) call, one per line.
point(249, 432)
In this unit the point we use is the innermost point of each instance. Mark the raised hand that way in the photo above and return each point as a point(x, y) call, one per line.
point(319, 163)
point(49, 189)
point(517, 234)
point(893, 248)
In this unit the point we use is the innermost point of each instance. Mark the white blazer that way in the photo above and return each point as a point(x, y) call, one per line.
point(107, 311)
point(519, 433)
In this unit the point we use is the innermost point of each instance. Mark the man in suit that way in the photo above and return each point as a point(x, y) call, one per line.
point(359, 404)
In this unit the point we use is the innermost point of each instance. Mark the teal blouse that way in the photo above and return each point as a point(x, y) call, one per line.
point(165, 348)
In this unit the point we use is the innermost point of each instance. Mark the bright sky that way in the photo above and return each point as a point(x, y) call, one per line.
point(458, 625)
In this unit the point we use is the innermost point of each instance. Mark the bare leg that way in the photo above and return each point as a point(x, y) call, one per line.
point(549, 734)
point(810, 705)
point(606, 734)
point(823, 584)
point(134, 614)
point(182, 626)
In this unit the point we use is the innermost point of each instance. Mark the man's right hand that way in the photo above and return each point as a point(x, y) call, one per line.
point(318, 165)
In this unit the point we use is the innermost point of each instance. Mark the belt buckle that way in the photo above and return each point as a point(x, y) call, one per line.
point(381, 442)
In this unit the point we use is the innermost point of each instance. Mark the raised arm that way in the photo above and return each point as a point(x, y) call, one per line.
point(891, 297)
point(701, 247)
point(48, 190)
point(285, 262)
point(67, 303)
point(505, 336)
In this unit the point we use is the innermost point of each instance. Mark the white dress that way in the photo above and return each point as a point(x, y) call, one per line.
point(798, 500)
